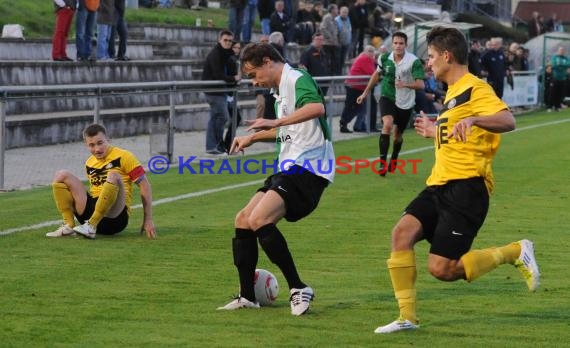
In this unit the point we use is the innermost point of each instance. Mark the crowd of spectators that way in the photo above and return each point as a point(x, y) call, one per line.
point(537, 25)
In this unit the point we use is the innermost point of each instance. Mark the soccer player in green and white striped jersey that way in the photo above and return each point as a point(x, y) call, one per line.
point(306, 166)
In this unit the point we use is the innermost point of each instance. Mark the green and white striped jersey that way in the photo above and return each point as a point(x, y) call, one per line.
point(307, 144)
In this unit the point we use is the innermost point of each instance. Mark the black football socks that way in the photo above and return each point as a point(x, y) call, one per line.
point(275, 246)
point(245, 252)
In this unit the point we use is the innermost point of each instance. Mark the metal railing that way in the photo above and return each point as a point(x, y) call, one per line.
point(97, 92)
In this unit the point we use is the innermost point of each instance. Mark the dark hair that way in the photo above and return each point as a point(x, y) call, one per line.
point(253, 54)
point(224, 32)
point(450, 40)
point(402, 35)
point(93, 129)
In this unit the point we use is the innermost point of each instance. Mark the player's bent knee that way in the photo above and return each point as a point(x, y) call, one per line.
point(255, 222)
point(241, 220)
point(61, 175)
point(442, 273)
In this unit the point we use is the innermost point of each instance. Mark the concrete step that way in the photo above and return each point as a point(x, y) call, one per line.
point(39, 129)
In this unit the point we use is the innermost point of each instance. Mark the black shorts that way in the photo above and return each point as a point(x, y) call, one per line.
point(401, 116)
point(300, 189)
point(107, 225)
point(451, 215)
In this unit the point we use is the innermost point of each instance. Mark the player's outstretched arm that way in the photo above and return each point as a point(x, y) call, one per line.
point(240, 143)
point(146, 198)
point(502, 121)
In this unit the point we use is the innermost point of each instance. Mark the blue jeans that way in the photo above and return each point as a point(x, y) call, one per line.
point(352, 108)
point(248, 20)
point(236, 19)
point(119, 29)
point(219, 115)
point(103, 34)
point(265, 28)
point(84, 31)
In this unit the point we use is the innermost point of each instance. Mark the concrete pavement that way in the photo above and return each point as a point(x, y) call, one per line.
point(35, 166)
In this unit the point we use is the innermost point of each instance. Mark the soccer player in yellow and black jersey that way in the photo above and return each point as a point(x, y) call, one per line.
point(451, 209)
point(105, 209)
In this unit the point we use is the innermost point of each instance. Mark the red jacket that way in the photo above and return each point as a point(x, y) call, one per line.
point(363, 65)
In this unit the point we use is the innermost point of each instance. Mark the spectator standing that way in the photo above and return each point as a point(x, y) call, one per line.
point(84, 24)
point(259, 93)
point(548, 89)
point(232, 69)
point(235, 17)
point(215, 69)
point(120, 29)
point(495, 65)
point(277, 41)
point(344, 37)
point(474, 58)
point(553, 24)
point(105, 20)
point(248, 20)
point(280, 21)
point(265, 9)
point(364, 64)
point(305, 23)
point(514, 61)
point(317, 13)
point(315, 61)
point(64, 10)
point(535, 26)
point(429, 100)
point(329, 29)
point(358, 14)
point(377, 27)
point(560, 66)
point(521, 57)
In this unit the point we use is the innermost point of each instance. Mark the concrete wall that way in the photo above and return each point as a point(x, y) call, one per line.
point(35, 121)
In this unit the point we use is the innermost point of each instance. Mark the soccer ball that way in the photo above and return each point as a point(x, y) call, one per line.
point(265, 286)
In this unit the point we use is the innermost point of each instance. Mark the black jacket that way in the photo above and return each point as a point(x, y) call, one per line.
point(215, 67)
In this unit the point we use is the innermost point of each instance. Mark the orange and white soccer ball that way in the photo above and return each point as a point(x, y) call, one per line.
point(266, 287)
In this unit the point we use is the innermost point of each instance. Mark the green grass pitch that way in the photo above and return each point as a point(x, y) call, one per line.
point(129, 291)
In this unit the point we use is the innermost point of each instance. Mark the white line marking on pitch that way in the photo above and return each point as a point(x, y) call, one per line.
point(245, 184)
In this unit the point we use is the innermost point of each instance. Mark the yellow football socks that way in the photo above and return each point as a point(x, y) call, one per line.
point(479, 262)
point(106, 199)
point(402, 268)
point(64, 202)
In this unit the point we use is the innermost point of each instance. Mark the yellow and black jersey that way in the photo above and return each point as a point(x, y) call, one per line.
point(119, 160)
point(470, 96)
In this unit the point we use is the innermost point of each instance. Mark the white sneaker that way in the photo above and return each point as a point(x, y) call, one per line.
point(63, 231)
point(526, 264)
point(86, 230)
point(398, 325)
point(238, 303)
point(300, 299)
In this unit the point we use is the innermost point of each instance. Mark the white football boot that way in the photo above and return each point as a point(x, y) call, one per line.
point(239, 303)
point(300, 300)
point(63, 231)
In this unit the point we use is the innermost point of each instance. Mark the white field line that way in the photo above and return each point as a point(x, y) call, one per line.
point(245, 184)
